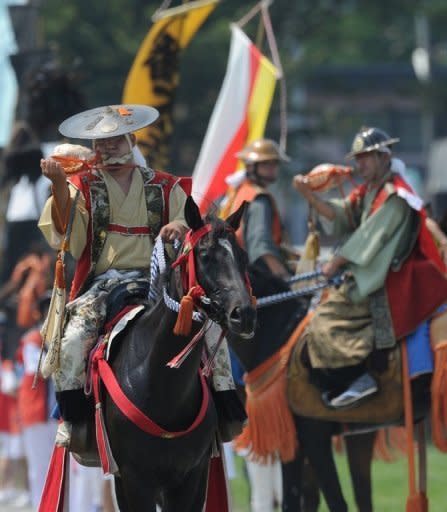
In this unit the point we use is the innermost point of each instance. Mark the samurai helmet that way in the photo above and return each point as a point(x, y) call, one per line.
point(370, 139)
point(262, 150)
point(108, 121)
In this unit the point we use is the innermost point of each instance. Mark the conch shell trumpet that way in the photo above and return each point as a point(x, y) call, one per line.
point(73, 165)
point(325, 177)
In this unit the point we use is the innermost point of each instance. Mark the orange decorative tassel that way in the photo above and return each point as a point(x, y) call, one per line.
point(270, 429)
point(184, 319)
point(439, 398)
point(59, 273)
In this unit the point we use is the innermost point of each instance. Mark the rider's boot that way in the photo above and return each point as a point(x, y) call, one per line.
point(75, 409)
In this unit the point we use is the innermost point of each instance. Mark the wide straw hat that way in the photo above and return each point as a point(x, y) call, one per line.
point(108, 121)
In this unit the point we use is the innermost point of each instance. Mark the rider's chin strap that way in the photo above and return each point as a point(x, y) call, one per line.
point(189, 281)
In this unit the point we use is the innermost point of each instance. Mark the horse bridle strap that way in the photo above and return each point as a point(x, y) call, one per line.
point(103, 372)
point(186, 258)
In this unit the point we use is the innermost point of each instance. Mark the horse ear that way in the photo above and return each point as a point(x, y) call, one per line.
point(235, 218)
point(192, 214)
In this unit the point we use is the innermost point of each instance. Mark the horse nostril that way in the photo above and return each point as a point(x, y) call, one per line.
point(243, 320)
point(235, 315)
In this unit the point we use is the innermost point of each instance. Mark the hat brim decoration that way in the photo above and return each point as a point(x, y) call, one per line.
point(108, 121)
point(373, 147)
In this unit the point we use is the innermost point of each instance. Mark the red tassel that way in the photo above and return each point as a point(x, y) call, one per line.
point(54, 492)
point(184, 319)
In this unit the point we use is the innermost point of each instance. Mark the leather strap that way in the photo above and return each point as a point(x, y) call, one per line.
point(102, 371)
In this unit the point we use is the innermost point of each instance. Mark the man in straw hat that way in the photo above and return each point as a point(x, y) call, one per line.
point(120, 207)
point(395, 273)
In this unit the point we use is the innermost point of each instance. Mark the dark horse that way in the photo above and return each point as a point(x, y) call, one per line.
point(172, 472)
point(274, 325)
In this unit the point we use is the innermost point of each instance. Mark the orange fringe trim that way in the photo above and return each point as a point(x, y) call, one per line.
point(439, 397)
point(389, 444)
point(270, 429)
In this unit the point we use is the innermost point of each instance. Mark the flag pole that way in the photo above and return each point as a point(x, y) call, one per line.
point(281, 77)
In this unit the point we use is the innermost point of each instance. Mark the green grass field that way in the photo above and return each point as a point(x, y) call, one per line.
point(390, 485)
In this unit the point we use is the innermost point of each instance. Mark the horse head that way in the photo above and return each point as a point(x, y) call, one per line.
point(220, 270)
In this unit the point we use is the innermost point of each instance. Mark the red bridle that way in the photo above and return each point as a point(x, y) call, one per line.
point(186, 260)
point(191, 287)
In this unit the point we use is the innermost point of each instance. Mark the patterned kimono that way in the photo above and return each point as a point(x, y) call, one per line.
point(112, 241)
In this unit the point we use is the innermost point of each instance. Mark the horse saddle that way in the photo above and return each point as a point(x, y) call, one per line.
point(383, 408)
point(124, 295)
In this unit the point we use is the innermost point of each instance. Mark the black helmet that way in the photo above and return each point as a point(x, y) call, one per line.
point(370, 139)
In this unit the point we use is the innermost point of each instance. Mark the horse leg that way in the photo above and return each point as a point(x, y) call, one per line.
point(359, 448)
point(132, 495)
point(190, 495)
point(300, 487)
point(315, 438)
point(311, 492)
point(292, 473)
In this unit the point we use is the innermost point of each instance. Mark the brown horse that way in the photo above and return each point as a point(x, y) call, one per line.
point(275, 323)
point(384, 409)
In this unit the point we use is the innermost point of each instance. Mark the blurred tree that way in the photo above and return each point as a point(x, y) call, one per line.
point(311, 34)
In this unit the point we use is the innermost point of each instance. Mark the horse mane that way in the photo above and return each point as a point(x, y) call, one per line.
point(219, 226)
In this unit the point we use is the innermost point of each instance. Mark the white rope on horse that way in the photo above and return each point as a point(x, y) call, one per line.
point(158, 286)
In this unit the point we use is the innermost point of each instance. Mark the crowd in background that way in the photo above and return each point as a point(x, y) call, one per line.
point(27, 404)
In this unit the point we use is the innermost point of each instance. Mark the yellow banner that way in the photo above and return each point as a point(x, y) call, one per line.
point(261, 98)
point(154, 75)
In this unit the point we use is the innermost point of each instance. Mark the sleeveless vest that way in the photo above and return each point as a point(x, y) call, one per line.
point(249, 191)
point(157, 188)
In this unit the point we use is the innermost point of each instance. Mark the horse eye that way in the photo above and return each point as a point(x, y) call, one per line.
point(204, 256)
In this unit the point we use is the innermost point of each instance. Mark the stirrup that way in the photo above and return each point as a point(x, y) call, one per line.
point(362, 388)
